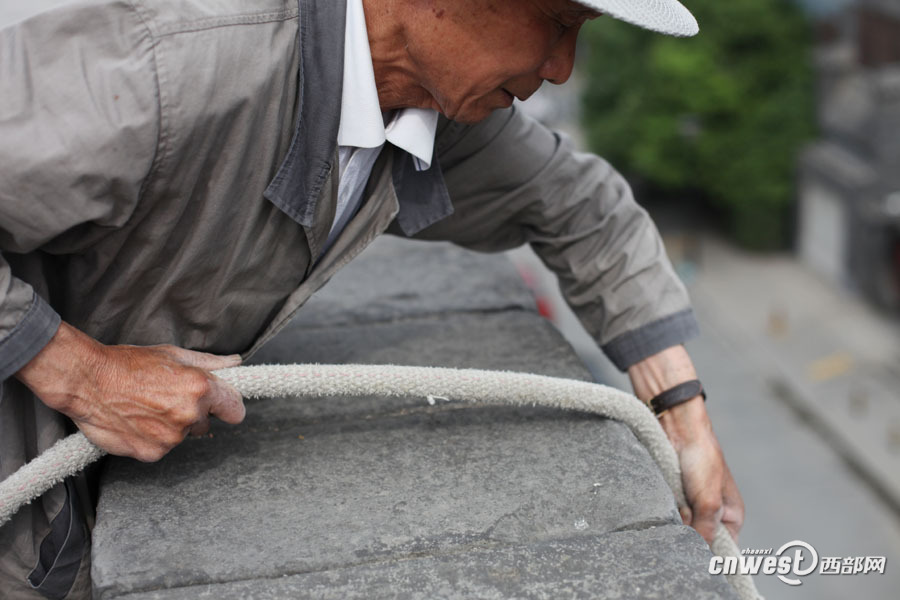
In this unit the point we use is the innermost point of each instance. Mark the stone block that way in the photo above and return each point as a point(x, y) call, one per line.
point(394, 497)
point(658, 562)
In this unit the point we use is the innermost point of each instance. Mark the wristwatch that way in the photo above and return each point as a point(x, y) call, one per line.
point(679, 394)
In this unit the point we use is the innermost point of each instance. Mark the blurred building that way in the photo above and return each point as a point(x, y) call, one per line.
point(849, 180)
point(823, 8)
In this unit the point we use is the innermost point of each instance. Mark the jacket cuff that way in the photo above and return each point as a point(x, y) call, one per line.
point(29, 336)
point(647, 340)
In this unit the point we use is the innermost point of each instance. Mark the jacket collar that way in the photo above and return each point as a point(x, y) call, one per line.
point(297, 186)
point(298, 182)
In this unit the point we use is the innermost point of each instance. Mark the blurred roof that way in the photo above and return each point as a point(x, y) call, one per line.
point(887, 7)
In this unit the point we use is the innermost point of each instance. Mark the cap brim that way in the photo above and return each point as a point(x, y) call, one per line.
point(663, 16)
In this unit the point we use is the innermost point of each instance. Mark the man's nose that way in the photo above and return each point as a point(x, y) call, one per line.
point(558, 67)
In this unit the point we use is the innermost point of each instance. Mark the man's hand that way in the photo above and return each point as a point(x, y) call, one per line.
point(711, 493)
point(132, 400)
point(709, 487)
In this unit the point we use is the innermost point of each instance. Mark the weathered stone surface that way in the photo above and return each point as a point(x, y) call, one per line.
point(511, 340)
point(259, 501)
point(313, 485)
point(375, 497)
point(656, 562)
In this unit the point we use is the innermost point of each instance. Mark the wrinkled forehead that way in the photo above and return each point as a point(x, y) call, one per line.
point(572, 8)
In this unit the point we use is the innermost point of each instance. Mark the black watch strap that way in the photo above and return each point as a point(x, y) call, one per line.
point(679, 394)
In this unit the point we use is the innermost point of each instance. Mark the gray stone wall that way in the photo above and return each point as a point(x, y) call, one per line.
point(396, 498)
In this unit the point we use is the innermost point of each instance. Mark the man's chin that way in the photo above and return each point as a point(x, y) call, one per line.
point(471, 117)
point(466, 120)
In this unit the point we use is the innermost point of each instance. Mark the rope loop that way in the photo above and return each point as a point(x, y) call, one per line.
point(72, 454)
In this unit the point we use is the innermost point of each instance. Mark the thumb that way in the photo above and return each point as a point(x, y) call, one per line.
point(225, 402)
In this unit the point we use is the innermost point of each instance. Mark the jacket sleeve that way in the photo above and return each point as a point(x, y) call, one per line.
point(79, 126)
point(512, 181)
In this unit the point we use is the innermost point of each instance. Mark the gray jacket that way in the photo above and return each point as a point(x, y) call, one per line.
point(168, 175)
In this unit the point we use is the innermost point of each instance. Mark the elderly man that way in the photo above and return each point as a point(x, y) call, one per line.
point(189, 173)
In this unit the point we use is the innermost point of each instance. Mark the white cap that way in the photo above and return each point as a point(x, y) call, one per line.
point(663, 16)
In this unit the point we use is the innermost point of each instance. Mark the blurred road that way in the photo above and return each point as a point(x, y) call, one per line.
point(795, 484)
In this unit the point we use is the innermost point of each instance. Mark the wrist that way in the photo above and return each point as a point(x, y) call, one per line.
point(655, 374)
point(686, 422)
point(660, 372)
point(60, 371)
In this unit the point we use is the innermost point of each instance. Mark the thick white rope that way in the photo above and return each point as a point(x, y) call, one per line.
point(74, 453)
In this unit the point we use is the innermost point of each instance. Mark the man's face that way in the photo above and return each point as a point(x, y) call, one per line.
point(474, 56)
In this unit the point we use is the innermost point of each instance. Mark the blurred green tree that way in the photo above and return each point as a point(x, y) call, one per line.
point(722, 114)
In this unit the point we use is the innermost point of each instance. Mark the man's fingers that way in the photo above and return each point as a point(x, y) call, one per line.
point(733, 515)
point(686, 515)
point(223, 400)
point(733, 529)
point(204, 360)
point(226, 402)
point(707, 513)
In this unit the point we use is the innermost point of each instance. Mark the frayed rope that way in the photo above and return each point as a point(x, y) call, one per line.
point(72, 454)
